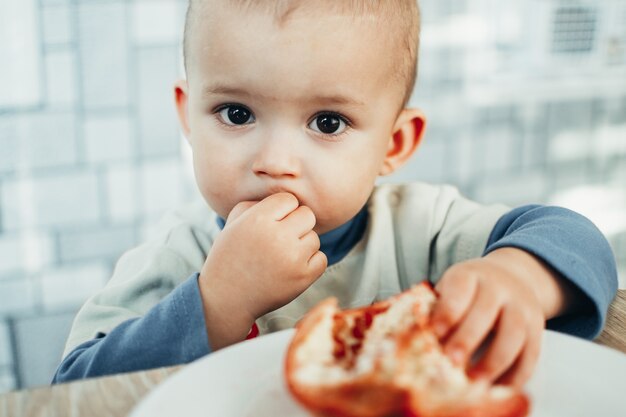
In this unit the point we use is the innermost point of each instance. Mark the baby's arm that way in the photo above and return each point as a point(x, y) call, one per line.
point(513, 293)
point(265, 257)
point(170, 333)
point(172, 330)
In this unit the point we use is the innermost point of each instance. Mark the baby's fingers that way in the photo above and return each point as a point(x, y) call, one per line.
point(505, 348)
point(317, 265)
point(456, 292)
point(525, 365)
point(474, 328)
point(238, 210)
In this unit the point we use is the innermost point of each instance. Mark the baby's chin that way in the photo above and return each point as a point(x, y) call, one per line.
point(322, 226)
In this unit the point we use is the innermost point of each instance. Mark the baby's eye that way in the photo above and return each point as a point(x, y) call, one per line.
point(236, 115)
point(328, 123)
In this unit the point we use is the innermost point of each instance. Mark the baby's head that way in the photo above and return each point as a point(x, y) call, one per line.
point(303, 96)
point(397, 20)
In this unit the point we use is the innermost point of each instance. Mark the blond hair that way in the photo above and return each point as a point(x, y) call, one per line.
point(400, 18)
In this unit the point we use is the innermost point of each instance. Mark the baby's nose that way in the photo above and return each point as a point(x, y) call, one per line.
point(277, 159)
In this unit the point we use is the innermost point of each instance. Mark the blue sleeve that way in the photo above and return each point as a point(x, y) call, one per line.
point(172, 332)
point(572, 246)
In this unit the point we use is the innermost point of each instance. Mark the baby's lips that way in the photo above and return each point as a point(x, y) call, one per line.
point(273, 190)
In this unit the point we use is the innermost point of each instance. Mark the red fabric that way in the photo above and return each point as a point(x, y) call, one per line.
point(254, 332)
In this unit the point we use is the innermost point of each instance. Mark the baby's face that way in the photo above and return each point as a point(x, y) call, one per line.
point(307, 107)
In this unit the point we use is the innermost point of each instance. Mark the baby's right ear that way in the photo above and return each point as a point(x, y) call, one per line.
point(181, 95)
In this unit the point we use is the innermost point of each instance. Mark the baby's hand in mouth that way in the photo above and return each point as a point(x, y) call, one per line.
point(267, 255)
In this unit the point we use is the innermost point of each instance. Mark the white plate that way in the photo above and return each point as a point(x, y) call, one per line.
point(574, 378)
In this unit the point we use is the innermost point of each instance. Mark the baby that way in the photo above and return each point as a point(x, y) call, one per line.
point(293, 109)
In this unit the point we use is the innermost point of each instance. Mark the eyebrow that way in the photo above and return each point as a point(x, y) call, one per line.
point(235, 91)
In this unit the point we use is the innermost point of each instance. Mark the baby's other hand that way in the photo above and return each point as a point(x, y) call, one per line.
point(266, 256)
point(481, 297)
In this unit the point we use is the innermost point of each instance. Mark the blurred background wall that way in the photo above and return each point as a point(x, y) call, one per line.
point(526, 101)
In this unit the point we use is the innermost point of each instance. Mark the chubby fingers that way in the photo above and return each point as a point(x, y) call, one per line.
point(474, 327)
point(278, 206)
point(301, 220)
point(239, 209)
point(506, 347)
point(523, 368)
point(274, 207)
point(317, 264)
point(527, 363)
point(456, 293)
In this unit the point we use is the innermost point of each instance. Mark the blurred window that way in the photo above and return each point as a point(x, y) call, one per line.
point(574, 30)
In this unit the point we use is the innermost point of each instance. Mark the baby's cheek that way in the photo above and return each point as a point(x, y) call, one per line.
point(340, 202)
point(216, 195)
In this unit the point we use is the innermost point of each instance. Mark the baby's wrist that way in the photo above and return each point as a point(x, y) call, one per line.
point(225, 323)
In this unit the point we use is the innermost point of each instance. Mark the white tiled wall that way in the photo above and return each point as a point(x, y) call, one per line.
point(90, 153)
point(17, 296)
point(89, 156)
point(121, 190)
point(20, 82)
point(61, 90)
point(61, 199)
point(106, 79)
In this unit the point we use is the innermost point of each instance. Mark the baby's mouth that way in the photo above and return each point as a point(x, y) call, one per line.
point(276, 190)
